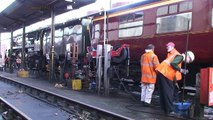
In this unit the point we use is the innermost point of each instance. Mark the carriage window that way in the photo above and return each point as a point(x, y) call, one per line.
point(67, 30)
point(76, 33)
point(138, 15)
point(37, 45)
point(46, 42)
point(126, 18)
point(79, 33)
point(173, 9)
point(97, 31)
point(93, 32)
point(58, 37)
point(162, 11)
point(130, 29)
point(59, 33)
point(17, 41)
point(67, 34)
point(130, 18)
point(174, 23)
point(184, 6)
point(123, 18)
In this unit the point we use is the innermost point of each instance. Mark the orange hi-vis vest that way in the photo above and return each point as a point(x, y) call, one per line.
point(149, 62)
point(166, 69)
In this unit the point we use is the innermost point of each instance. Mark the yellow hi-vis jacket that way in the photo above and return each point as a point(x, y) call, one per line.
point(166, 69)
point(149, 62)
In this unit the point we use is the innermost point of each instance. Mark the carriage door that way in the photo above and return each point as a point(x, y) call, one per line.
point(206, 86)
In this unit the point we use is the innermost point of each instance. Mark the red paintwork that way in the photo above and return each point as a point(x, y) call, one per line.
point(206, 86)
point(115, 53)
point(200, 35)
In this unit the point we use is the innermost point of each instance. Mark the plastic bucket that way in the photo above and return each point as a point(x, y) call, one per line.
point(182, 108)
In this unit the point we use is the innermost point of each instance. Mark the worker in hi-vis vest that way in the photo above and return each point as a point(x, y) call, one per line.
point(149, 61)
point(168, 71)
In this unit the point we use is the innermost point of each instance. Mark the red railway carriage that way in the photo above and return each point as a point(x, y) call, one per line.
point(159, 22)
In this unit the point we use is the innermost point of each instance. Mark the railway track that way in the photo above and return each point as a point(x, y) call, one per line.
point(77, 110)
point(10, 112)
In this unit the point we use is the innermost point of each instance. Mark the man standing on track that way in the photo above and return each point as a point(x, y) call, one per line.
point(149, 62)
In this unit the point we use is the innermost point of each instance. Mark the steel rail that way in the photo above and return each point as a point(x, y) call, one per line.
point(10, 112)
point(79, 109)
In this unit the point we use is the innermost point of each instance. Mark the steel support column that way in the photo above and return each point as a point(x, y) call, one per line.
point(41, 41)
point(107, 62)
point(52, 44)
point(99, 67)
point(23, 48)
point(10, 52)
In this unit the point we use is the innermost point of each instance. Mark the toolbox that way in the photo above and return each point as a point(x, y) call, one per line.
point(23, 73)
point(76, 84)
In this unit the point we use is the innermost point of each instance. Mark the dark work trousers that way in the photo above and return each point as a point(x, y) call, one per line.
point(166, 88)
point(176, 92)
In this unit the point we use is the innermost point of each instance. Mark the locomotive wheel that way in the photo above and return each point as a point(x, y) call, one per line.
point(123, 56)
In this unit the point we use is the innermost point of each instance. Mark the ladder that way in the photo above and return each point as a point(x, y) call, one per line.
point(74, 57)
point(74, 52)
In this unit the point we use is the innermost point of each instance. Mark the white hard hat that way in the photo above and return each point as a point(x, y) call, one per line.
point(191, 55)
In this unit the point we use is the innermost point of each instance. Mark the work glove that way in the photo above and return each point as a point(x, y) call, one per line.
point(184, 71)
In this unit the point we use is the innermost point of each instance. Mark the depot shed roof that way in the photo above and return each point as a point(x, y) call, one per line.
point(32, 11)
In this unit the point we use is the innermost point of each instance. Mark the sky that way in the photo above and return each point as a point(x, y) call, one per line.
point(5, 3)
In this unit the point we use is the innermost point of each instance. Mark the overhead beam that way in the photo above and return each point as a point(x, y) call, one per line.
point(11, 18)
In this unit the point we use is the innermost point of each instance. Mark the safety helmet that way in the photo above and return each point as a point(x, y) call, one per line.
point(150, 47)
point(191, 55)
point(170, 44)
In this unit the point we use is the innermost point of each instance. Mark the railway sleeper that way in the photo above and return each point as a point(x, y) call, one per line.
point(51, 99)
